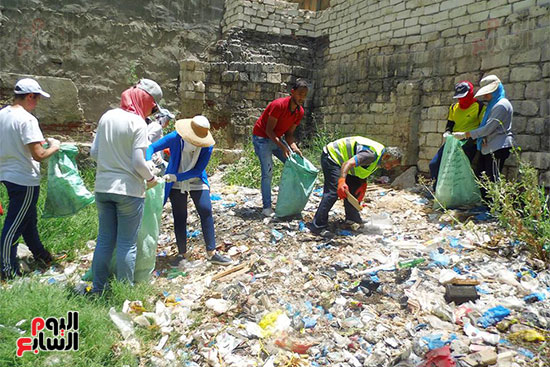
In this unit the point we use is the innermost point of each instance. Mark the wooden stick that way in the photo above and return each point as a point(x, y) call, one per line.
point(230, 270)
point(353, 201)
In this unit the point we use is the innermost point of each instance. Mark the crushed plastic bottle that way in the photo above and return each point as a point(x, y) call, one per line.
point(411, 263)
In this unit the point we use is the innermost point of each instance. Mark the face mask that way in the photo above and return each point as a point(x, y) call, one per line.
point(188, 147)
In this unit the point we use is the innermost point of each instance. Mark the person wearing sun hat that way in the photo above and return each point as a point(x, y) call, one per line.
point(494, 137)
point(21, 152)
point(122, 176)
point(465, 115)
point(191, 146)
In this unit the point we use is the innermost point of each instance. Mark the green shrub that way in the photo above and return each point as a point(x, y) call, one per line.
point(521, 207)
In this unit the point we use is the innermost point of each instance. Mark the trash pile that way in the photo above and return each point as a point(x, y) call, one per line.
point(411, 287)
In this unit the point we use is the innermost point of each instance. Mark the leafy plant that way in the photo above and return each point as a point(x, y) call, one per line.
point(521, 206)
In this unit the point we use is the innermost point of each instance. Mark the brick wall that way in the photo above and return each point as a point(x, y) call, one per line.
point(386, 69)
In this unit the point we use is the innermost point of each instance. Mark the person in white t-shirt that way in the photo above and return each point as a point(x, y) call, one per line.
point(21, 152)
point(122, 177)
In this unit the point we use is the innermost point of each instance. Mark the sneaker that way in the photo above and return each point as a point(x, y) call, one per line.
point(46, 259)
point(220, 260)
point(178, 262)
point(268, 212)
point(317, 230)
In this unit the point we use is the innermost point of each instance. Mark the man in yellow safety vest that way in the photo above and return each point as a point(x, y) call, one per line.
point(346, 164)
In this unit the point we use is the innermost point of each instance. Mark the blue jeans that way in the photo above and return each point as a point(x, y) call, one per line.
point(201, 198)
point(119, 222)
point(265, 148)
point(20, 221)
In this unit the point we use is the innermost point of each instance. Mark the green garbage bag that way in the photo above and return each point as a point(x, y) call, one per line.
point(66, 192)
point(456, 183)
point(147, 237)
point(297, 182)
point(149, 233)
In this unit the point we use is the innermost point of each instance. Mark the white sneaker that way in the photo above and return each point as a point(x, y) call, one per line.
point(268, 212)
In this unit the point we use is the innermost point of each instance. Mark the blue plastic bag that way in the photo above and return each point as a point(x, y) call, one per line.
point(296, 185)
point(493, 316)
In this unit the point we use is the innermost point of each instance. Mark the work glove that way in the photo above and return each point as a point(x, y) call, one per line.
point(460, 135)
point(360, 193)
point(152, 183)
point(152, 167)
point(343, 188)
point(446, 133)
point(170, 177)
point(53, 142)
point(157, 160)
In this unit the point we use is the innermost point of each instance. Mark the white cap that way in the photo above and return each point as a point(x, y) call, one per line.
point(27, 86)
point(165, 112)
point(151, 87)
point(488, 85)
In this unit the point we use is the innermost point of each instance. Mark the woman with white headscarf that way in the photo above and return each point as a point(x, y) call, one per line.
point(190, 147)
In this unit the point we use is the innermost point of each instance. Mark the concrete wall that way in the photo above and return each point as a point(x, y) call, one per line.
point(104, 46)
point(387, 68)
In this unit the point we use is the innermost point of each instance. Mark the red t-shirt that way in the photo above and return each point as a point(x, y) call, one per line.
point(280, 109)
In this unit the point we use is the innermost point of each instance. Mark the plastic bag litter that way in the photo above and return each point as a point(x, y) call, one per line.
point(123, 322)
point(297, 182)
point(66, 192)
point(493, 316)
point(456, 184)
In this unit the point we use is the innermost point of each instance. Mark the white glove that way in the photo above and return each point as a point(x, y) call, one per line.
point(460, 135)
point(53, 142)
point(157, 160)
point(446, 133)
point(152, 183)
point(170, 177)
point(163, 120)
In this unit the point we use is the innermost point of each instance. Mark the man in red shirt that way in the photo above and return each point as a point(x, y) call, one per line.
point(281, 117)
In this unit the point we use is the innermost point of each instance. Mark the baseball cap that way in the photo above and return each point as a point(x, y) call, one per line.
point(461, 90)
point(152, 88)
point(488, 85)
point(27, 86)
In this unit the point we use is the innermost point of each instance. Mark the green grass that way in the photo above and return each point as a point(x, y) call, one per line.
point(62, 235)
point(98, 336)
point(247, 171)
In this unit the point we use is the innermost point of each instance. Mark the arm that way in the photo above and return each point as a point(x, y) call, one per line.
point(349, 164)
point(450, 126)
point(93, 150)
point(485, 130)
point(269, 131)
point(39, 153)
point(289, 137)
point(138, 162)
point(202, 162)
point(160, 145)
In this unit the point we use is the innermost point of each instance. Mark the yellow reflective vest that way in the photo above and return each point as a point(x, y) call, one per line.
point(343, 149)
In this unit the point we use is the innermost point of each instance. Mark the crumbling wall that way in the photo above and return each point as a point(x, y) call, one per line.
point(104, 46)
point(387, 68)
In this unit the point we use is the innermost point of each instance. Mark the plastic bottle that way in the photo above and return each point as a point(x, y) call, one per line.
point(411, 263)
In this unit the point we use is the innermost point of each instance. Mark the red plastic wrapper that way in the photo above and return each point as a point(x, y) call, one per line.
point(440, 357)
point(293, 346)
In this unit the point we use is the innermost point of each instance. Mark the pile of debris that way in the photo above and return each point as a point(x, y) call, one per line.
point(411, 287)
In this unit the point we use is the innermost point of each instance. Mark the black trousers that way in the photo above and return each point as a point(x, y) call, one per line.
point(492, 164)
point(331, 172)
